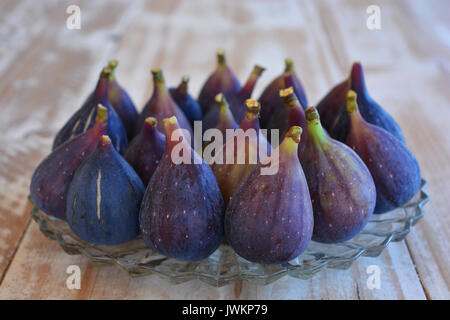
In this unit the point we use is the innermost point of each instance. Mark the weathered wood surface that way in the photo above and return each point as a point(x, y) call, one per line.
point(46, 71)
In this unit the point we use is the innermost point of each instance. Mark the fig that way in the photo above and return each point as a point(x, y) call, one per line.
point(334, 115)
point(182, 211)
point(161, 106)
point(270, 99)
point(104, 198)
point(84, 118)
point(221, 80)
point(51, 179)
point(146, 150)
point(121, 101)
point(236, 102)
point(270, 219)
point(293, 115)
point(186, 102)
point(342, 190)
point(393, 167)
point(230, 172)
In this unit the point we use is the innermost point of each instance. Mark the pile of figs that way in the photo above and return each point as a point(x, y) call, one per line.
point(112, 174)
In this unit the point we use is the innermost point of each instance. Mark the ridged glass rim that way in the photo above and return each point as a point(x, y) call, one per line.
point(224, 266)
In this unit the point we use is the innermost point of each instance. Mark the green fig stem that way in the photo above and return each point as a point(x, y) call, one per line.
point(221, 61)
point(106, 72)
point(102, 114)
point(105, 141)
point(289, 98)
point(352, 104)
point(221, 103)
point(183, 87)
point(291, 140)
point(252, 109)
point(158, 76)
point(315, 129)
point(112, 64)
point(151, 122)
point(289, 65)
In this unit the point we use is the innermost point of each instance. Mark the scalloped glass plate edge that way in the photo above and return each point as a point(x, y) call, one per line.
point(224, 266)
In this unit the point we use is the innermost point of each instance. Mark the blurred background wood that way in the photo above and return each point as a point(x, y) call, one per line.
point(47, 70)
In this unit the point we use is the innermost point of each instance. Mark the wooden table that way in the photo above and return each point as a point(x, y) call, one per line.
point(47, 70)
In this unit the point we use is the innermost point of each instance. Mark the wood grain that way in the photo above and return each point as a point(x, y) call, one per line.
point(46, 71)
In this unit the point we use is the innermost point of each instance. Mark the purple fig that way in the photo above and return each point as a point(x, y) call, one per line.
point(229, 175)
point(52, 178)
point(334, 115)
point(236, 102)
point(121, 101)
point(186, 102)
point(104, 198)
point(161, 106)
point(182, 211)
point(220, 117)
point(341, 187)
point(84, 118)
point(221, 80)
point(270, 99)
point(394, 169)
point(294, 115)
point(146, 150)
point(270, 219)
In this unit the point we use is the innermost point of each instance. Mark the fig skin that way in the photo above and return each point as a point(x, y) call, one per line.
point(221, 80)
point(146, 150)
point(293, 115)
point(161, 106)
point(342, 190)
point(121, 101)
point(270, 99)
point(269, 218)
point(84, 118)
point(236, 103)
point(186, 102)
point(51, 179)
point(182, 211)
point(104, 198)
point(229, 175)
point(334, 115)
point(394, 168)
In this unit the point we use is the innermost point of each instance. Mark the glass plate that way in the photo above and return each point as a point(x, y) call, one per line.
point(224, 266)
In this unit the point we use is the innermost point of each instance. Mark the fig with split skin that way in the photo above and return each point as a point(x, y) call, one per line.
point(342, 190)
point(270, 99)
point(51, 179)
point(394, 168)
point(186, 102)
point(121, 101)
point(269, 218)
point(104, 198)
point(221, 80)
point(229, 175)
point(334, 115)
point(84, 118)
point(161, 106)
point(146, 149)
point(182, 211)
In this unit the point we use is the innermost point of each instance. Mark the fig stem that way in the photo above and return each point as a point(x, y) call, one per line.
point(352, 104)
point(252, 108)
point(112, 64)
point(102, 114)
point(315, 129)
point(289, 98)
point(221, 103)
point(151, 122)
point(221, 61)
point(183, 87)
point(289, 65)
